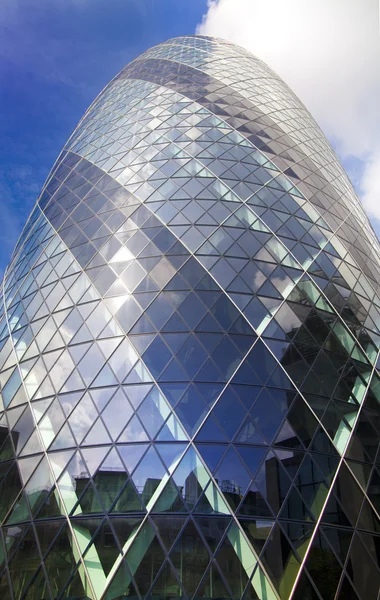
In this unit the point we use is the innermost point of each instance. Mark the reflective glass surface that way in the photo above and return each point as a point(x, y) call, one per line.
point(189, 335)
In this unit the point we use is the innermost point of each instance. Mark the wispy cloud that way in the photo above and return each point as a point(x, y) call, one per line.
point(329, 54)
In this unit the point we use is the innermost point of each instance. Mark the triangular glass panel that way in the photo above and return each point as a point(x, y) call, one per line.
point(105, 378)
point(39, 407)
point(171, 431)
point(191, 410)
point(167, 534)
point(340, 540)
point(108, 483)
point(211, 502)
point(117, 413)
point(249, 434)
point(320, 562)
point(137, 393)
point(287, 437)
point(252, 457)
point(131, 454)
point(7, 451)
point(108, 346)
point(128, 501)
point(282, 572)
point(294, 508)
point(102, 396)
point(69, 401)
point(153, 411)
point(347, 591)
point(20, 510)
point(75, 587)
point(304, 589)
point(280, 483)
point(20, 575)
point(145, 558)
point(170, 453)
point(27, 466)
point(149, 476)
point(50, 507)
point(93, 457)
point(266, 415)
point(254, 504)
point(314, 494)
point(103, 549)
point(169, 499)
point(321, 443)
point(211, 454)
point(60, 562)
point(327, 465)
point(121, 584)
point(231, 562)
point(232, 478)
point(38, 586)
point(64, 439)
point(229, 412)
point(257, 532)
point(213, 585)
point(39, 486)
point(368, 519)
point(133, 431)
point(173, 391)
point(32, 446)
point(47, 534)
point(190, 558)
point(166, 585)
point(77, 352)
point(59, 460)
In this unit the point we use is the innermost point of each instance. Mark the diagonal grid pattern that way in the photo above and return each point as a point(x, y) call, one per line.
point(188, 342)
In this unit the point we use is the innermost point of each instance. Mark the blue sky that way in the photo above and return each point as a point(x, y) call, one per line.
point(55, 57)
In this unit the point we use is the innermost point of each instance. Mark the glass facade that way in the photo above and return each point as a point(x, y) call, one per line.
point(189, 331)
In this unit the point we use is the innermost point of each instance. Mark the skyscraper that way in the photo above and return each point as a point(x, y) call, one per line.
point(189, 330)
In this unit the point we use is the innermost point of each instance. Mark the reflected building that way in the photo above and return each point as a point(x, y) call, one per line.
point(189, 331)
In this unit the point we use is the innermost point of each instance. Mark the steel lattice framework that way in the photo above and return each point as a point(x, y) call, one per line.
point(189, 330)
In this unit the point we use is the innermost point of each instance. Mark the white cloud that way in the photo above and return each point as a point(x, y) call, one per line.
point(370, 183)
point(328, 51)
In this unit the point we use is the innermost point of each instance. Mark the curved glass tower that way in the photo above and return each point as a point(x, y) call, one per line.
point(189, 329)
